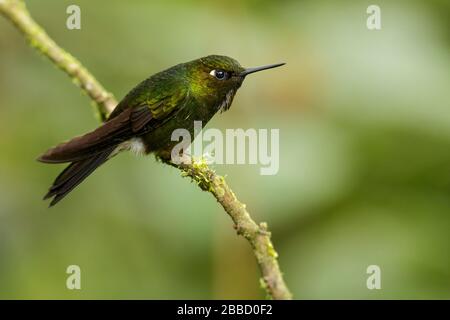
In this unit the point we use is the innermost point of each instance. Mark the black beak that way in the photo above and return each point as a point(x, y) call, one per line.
point(256, 69)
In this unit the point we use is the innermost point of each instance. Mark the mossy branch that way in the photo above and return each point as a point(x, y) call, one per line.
point(257, 235)
point(17, 13)
point(206, 178)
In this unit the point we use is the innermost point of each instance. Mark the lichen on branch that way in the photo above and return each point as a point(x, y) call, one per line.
point(257, 235)
point(17, 13)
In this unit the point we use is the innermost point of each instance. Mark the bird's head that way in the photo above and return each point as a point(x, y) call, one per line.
point(217, 78)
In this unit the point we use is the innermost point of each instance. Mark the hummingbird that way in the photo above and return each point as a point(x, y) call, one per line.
point(145, 118)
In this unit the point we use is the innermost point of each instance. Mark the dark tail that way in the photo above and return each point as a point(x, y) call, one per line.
point(74, 174)
point(86, 153)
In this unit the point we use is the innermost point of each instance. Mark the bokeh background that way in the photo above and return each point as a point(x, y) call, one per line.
point(364, 119)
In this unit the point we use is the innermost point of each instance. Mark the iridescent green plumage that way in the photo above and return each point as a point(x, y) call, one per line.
point(148, 114)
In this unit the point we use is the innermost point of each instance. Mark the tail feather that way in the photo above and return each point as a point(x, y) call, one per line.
point(111, 133)
point(74, 174)
point(126, 125)
point(86, 153)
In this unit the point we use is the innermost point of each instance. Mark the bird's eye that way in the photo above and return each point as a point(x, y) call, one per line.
point(219, 74)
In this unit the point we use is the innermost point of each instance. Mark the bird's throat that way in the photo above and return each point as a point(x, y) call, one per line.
point(225, 104)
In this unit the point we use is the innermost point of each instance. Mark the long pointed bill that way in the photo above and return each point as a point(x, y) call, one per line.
point(256, 69)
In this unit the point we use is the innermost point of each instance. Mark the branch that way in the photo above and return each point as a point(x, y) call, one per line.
point(257, 235)
point(17, 13)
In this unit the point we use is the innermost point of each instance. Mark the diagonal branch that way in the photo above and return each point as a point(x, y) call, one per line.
point(257, 235)
point(17, 13)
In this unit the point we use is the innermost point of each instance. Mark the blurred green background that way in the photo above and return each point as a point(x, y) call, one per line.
point(364, 119)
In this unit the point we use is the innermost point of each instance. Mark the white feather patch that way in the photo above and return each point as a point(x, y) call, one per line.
point(135, 145)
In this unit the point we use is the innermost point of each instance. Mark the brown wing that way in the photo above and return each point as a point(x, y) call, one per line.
point(129, 123)
point(145, 107)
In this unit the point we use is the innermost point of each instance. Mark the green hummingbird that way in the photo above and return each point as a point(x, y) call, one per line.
point(145, 118)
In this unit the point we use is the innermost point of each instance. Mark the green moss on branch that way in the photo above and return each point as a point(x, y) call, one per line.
point(17, 13)
point(257, 235)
